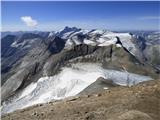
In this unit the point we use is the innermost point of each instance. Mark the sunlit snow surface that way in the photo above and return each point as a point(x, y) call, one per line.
point(107, 38)
point(69, 82)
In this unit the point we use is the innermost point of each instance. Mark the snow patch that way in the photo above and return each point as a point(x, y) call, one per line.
point(126, 40)
point(105, 88)
point(15, 44)
point(118, 45)
point(28, 90)
point(51, 34)
point(98, 32)
point(108, 42)
point(89, 42)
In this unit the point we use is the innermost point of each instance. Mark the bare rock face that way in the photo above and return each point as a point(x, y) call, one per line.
point(98, 86)
point(152, 53)
point(58, 60)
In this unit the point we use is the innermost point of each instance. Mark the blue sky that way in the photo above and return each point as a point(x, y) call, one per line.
point(52, 15)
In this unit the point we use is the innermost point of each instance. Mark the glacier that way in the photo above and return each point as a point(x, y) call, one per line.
point(69, 82)
point(104, 38)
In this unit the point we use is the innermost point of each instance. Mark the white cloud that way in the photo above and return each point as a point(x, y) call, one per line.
point(150, 18)
point(29, 21)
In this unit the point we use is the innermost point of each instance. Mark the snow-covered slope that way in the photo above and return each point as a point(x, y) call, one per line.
point(100, 38)
point(69, 82)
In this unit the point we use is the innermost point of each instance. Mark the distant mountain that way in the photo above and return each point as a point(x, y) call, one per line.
point(39, 67)
point(18, 33)
point(152, 46)
point(152, 37)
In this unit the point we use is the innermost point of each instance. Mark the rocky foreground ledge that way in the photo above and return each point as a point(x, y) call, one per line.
point(140, 102)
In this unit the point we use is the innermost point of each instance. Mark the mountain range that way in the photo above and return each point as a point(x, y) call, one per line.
point(39, 67)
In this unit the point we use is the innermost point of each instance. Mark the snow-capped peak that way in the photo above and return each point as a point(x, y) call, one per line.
point(69, 29)
point(51, 34)
point(96, 31)
point(101, 38)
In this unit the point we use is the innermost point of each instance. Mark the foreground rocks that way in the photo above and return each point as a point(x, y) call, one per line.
point(140, 102)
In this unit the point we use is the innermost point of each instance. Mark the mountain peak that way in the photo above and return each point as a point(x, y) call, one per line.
point(67, 28)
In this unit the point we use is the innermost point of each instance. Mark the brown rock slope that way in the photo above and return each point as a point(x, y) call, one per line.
point(140, 102)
